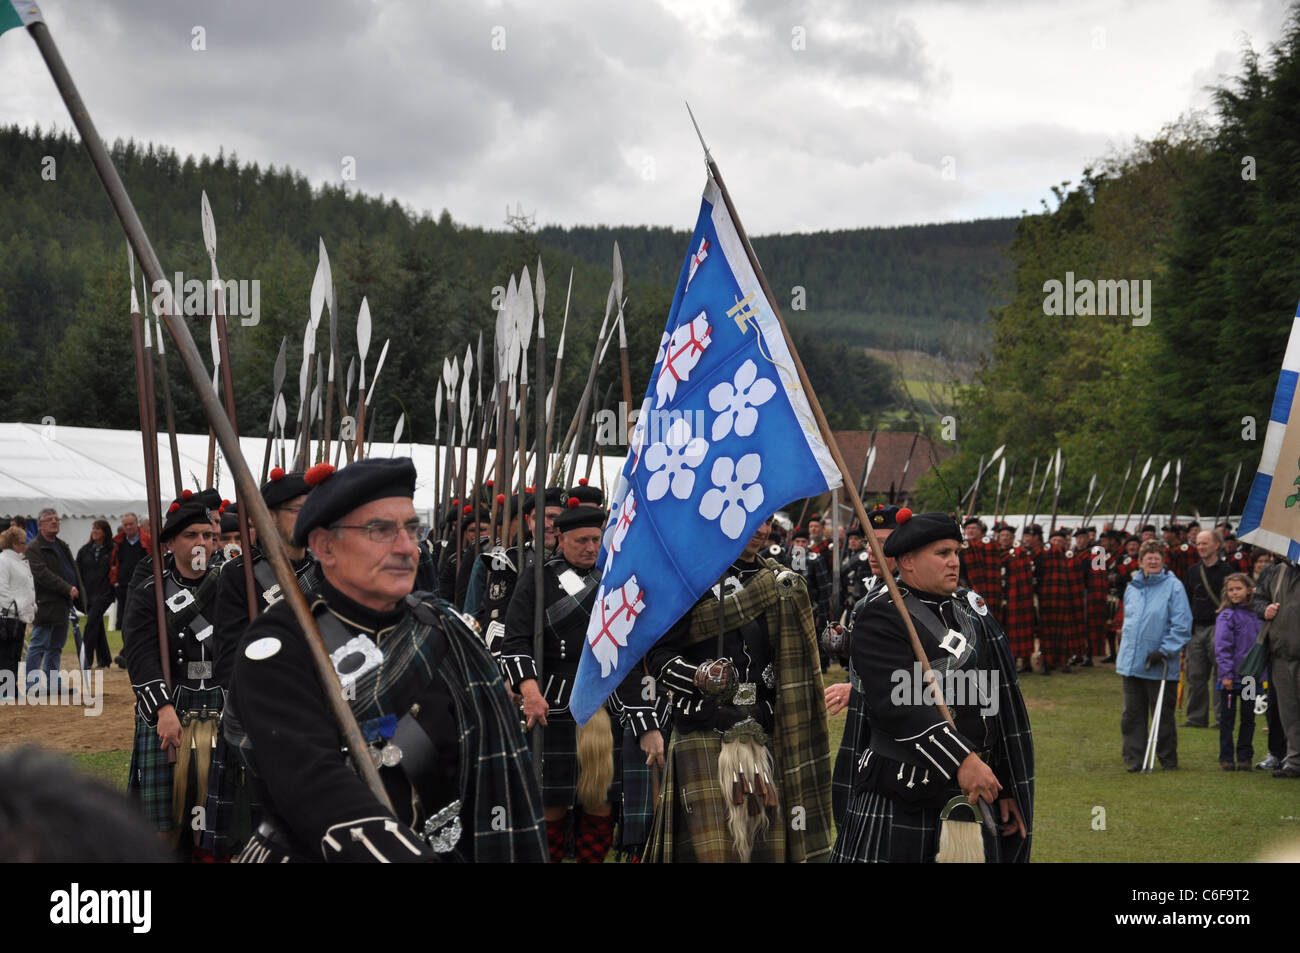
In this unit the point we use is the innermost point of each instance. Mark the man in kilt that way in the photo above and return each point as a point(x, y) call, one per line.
point(578, 765)
point(426, 695)
point(232, 814)
point(910, 762)
point(981, 564)
point(841, 697)
point(1020, 618)
point(1061, 612)
point(1180, 556)
point(496, 573)
point(183, 716)
point(748, 773)
point(854, 575)
point(1097, 596)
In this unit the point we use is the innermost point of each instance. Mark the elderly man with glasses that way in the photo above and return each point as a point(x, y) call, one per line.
point(424, 690)
point(58, 589)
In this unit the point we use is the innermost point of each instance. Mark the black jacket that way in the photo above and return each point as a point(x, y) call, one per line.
point(53, 601)
point(95, 572)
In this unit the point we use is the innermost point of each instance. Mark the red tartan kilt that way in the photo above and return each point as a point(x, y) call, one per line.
point(1019, 627)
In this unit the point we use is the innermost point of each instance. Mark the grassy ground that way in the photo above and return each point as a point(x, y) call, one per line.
point(1089, 808)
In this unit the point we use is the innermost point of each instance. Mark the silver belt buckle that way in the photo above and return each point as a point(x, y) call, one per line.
point(443, 830)
point(198, 670)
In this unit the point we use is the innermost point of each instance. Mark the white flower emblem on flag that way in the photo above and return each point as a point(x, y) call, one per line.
point(618, 613)
point(639, 434)
point(736, 493)
point(736, 402)
point(673, 462)
point(684, 349)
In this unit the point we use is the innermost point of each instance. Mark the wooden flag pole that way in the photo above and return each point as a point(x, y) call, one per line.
point(189, 355)
point(826, 435)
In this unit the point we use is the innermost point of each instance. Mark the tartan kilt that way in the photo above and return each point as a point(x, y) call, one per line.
point(232, 811)
point(1018, 614)
point(880, 830)
point(150, 777)
point(690, 824)
point(638, 795)
point(560, 760)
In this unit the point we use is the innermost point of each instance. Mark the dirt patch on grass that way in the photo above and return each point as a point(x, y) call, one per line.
point(1044, 704)
point(103, 721)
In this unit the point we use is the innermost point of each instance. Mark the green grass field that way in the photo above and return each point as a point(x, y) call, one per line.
point(1089, 808)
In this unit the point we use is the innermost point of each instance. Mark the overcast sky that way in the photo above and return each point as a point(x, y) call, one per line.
point(821, 113)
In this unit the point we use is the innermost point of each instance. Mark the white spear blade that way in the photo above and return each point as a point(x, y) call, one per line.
point(278, 371)
point(997, 454)
point(352, 378)
point(281, 412)
point(469, 364)
point(1164, 474)
point(363, 339)
point(437, 408)
point(1146, 468)
point(130, 266)
point(524, 312)
point(383, 353)
point(564, 326)
point(148, 340)
point(209, 233)
point(446, 374)
point(308, 344)
point(550, 405)
point(397, 431)
point(1002, 472)
point(464, 403)
point(871, 462)
point(317, 294)
point(618, 274)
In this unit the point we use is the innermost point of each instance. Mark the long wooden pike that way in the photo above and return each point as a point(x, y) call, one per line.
point(216, 370)
point(997, 497)
point(1119, 499)
point(332, 302)
point(555, 380)
point(228, 388)
point(304, 408)
point(363, 348)
point(1178, 485)
point(1136, 489)
point(281, 415)
point(374, 380)
point(149, 447)
point(346, 399)
point(1029, 491)
point(580, 416)
point(277, 381)
point(190, 358)
point(1147, 509)
point(1227, 516)
point(539, 502)
point(1223, 495)
point(169, 410)
point(464, 408)
point(1056, 493)
point(868, 462)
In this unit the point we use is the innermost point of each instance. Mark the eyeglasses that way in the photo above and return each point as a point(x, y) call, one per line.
point(385, 531)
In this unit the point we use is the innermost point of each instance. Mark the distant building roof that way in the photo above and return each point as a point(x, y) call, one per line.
point(891, 454)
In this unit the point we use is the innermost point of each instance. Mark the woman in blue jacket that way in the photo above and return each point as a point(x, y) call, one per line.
point(1157, 624)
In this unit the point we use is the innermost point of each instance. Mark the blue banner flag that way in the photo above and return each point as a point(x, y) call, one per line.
point(724, 437)
point(1271, 517)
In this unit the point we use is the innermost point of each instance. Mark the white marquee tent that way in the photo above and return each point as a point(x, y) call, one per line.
point(89, 474)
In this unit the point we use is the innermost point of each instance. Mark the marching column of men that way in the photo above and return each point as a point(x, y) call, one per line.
point(713, 739)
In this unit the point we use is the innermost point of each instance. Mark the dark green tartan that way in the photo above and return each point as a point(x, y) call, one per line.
point(232, 807)
point(150, 777)
point(638, 795)
point(800, 741)
point(878, 829)
point(559, 760)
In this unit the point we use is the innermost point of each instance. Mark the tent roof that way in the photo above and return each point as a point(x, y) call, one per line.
point(87, 473)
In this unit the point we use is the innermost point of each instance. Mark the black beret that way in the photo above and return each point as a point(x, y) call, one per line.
point(283, 487)
point(229, 522)
point(336, 493)
point(1033, 529)
point(581, 517)
point(920, 529)
point(1149, 528)
point(1060, 531)
point(857, 531)
point(586, 495)
point(884, 517)
point(210, 498)
point(552, 496)
point(1081, 531)
point(800, 533)
point(971, 519)
point(181, 514)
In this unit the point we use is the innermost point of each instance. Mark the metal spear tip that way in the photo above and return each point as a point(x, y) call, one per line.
point(209, 227)
point(539, 288)
point(618, 273)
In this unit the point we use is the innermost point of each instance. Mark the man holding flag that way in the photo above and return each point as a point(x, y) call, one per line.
point(726, 433)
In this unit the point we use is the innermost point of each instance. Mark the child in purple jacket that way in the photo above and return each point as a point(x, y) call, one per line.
point(1235, 629)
